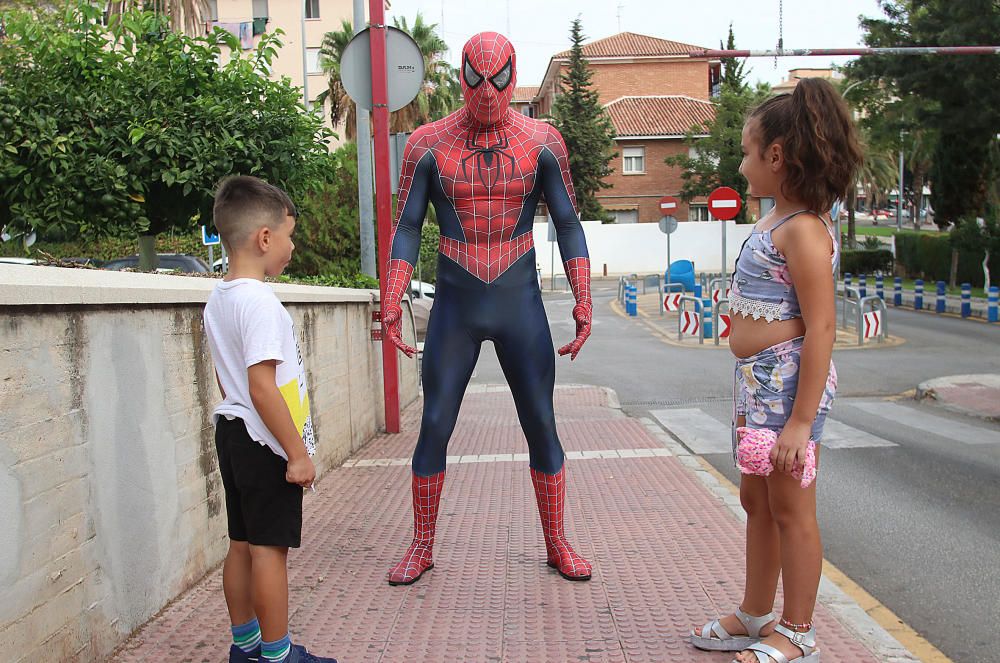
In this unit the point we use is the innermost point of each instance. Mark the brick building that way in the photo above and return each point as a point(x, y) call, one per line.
point(654, 92)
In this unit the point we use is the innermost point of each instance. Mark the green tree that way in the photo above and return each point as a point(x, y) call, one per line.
point(959, 99)
point(980, 236)
point(186, 16)
point(440, 94)
point(587, 130)
point(716, 144)
point(127, 129)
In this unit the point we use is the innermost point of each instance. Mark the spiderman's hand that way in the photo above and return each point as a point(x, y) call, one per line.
point(391, 317)
point(583, 316)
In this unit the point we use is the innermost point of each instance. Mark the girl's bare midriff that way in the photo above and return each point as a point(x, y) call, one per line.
point(747, 336)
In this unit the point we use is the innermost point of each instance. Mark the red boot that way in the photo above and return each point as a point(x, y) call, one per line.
point(418, 558)
point(550, 492)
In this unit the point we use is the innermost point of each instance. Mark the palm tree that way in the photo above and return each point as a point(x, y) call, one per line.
point(187, 16)
point(875, 176)
point(440, 94)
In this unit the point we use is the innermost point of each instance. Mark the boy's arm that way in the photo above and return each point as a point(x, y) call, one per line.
point(274, 413)
point(219, 382)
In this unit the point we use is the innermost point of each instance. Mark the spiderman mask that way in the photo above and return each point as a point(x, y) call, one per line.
point(489, 74)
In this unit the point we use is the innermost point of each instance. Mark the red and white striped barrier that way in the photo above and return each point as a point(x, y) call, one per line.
point(725, 323)
point(672, 302)
point(690, 322)
point(873, 324)
point(717, 295)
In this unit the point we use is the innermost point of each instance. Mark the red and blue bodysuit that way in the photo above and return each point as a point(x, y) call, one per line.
point(484, 168)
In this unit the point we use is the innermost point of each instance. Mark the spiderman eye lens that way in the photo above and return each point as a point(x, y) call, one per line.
point(472, 77)
point(502, 78)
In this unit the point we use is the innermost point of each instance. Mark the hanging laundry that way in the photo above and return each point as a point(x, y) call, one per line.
point(246, 35)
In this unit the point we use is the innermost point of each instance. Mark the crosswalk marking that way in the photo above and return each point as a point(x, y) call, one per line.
point(929, 423)
point(656, 452)
point(838, 435)
point(703, 434)
point(699, 431)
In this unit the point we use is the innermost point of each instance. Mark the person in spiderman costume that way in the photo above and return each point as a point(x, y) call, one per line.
point(484, 168)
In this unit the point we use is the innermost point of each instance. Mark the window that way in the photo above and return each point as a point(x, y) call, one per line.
point(213, 10)
point(633, 160)
point(312, 8)
point(699, 213)
point(312, 61)
point(528, 110)
point(260, 9)
point(627, 216)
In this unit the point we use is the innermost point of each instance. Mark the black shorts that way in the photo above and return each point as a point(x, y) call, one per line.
point(263, 508)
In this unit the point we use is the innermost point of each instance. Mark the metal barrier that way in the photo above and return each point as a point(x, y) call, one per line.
point(651, 280)
point(874, 323)
point(668, 291)
point(849, 302)
point(687, 319)
point(718, 317)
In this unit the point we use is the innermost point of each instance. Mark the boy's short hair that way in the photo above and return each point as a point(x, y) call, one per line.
point(243, 204)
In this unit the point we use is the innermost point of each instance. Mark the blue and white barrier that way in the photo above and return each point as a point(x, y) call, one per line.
point(939, 305)
point(897, 291)
point(966, 300)
point(918, 295)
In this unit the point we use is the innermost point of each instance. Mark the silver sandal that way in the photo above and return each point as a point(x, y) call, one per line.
point(723, 641)
point(806, 642)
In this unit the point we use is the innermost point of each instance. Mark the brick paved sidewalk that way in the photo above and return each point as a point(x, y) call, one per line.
point(975, 395)
point(666, 552)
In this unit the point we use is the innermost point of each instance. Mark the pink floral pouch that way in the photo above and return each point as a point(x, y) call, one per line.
point(753, 455)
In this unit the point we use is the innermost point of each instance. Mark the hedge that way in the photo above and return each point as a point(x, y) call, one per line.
point(921, 255)
point(866, 262)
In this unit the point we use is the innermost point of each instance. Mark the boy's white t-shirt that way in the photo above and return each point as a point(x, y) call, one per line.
point(246, 324)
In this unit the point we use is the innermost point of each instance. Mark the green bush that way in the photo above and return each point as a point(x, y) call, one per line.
point(356, 280)
point(922, 255)
point(866, 262)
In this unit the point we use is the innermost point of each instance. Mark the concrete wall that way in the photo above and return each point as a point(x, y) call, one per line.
point(642, 249)
point(110, 494)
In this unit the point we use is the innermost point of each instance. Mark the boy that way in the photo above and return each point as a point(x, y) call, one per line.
point(263, 431)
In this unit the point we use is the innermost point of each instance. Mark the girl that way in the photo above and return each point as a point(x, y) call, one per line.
point(802, 150)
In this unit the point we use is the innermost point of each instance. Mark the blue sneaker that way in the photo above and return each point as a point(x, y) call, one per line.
point(237, 655)
point(300, 655)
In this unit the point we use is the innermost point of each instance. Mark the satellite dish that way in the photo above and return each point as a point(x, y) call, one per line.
point(404, 68)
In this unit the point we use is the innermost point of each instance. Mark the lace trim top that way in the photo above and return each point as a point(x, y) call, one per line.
point(761, 286)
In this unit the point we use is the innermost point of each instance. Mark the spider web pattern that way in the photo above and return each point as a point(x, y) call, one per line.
point(488, 53)
point(487, 191)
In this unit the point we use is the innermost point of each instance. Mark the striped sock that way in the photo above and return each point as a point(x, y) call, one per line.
point(247, 636)
point(275, 652)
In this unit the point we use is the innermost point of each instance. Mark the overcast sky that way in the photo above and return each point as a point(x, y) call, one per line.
point(540, 28)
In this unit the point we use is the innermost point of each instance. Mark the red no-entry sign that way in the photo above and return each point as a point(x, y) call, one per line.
point(668, 206)
point(724, 203)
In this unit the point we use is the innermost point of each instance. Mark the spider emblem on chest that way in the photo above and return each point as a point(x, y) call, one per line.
point(488, 162)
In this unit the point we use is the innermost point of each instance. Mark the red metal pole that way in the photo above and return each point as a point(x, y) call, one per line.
point(803, 52)
point(383, 200)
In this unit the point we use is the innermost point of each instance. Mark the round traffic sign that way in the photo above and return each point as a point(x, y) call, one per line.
point(404, 68)
point(669, 205)
point(724, 203)
point(668, 224)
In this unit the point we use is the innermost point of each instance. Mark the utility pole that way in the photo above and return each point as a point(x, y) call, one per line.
point(366, 205)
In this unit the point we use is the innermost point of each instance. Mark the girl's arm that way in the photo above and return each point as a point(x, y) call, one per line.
point(808, 248)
